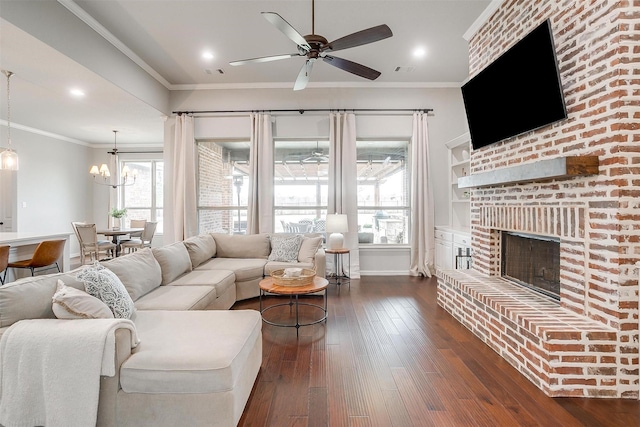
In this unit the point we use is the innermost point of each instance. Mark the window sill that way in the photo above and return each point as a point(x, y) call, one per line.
point(386, 247)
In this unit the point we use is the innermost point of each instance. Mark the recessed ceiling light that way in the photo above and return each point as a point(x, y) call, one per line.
point(207, 56)
point(419, 52)
point(77, 93)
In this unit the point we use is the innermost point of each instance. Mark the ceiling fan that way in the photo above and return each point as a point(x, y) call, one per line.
point(315, 47)
point(316, 156)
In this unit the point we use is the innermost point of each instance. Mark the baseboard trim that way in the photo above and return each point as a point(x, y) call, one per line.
point(384, 273)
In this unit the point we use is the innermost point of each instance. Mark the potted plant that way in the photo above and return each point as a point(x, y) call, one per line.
point(117, 214)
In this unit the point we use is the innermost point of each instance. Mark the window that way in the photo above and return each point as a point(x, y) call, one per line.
point(223, 186)
point(301, 170)
point(144, 199)
point(383, 192)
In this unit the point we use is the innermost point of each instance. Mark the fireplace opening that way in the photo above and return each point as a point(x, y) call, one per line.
point(532, 261)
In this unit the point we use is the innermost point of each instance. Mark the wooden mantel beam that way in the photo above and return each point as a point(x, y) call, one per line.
point(543, 170)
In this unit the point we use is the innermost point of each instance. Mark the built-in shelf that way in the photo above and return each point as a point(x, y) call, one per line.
point(561, 167)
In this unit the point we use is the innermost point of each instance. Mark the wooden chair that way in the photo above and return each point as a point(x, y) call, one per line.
point(137, 223)
point(143, 242)
point(45, 256)
point(4, 262)
point(90, 245)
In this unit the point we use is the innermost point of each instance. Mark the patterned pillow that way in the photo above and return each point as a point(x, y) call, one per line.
point(285, 248)
point(72, 303)
point(103, 283)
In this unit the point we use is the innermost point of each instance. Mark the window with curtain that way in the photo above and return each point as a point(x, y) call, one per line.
point(144, 199)
point(223, 186)
point(300, 185)
point(384, 202)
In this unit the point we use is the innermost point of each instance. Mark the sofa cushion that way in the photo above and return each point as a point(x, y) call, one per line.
point(103, 283)
point(174, 261)
point(244, 269)
point(191, 351)
point(308, 249)
point(178, 298)
point(240, 246)
point(30, 297)
point(139, 272)
point(285, 248)
point(200, 248)
point(221, 280)
point(72, 303)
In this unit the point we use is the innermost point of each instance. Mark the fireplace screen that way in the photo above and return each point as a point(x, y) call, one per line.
point(532, 261)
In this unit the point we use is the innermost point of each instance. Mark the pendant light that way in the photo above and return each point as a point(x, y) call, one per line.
point(8, 158)
point(128, 177)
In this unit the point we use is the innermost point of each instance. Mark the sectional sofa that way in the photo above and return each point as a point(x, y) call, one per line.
point(196, 362)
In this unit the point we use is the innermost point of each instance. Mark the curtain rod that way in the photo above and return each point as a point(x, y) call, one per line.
point(304, 110)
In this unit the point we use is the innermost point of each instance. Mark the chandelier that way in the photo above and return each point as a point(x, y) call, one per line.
point(102, 175)
point(8, 158)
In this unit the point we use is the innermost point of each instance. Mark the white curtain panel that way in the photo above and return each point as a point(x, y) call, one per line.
point(114, 193)
point(180, 204)
point(422, 217)
point(343, 180)
point(260, 209)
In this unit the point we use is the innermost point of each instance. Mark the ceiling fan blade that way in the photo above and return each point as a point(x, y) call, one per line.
point(369, 35)
point(352, 67)
point(265, 59)
point(286, 28)
point(304, 75)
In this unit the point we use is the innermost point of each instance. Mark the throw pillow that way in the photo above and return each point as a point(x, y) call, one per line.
point(308, 249)
point(102, 283)
point(285, 248)
point(72, 303)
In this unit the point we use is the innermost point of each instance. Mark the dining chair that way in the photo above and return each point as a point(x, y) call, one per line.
point(137, 223)
point(90, 245)
point(297, 227)
point(4, 262)
point(44, 257)
point(143, 242)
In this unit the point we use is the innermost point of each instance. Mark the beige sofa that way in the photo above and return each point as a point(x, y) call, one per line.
point(194, 365)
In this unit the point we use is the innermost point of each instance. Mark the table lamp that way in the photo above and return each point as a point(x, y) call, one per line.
point(336, 225)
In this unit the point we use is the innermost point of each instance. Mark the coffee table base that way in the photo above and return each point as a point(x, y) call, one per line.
point(293, 301)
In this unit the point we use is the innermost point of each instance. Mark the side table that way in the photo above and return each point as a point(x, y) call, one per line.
point(340, 276)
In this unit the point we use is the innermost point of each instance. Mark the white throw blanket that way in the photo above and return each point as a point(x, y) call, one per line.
point(50, 370)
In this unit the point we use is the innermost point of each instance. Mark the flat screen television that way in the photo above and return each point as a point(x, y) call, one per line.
point(518, 92)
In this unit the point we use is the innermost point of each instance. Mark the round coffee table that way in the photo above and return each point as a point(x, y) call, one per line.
point(268, 286)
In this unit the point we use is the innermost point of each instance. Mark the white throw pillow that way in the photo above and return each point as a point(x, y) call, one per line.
point(308, 249)
point(72, 303)
point(285, 248)
point(103, 283)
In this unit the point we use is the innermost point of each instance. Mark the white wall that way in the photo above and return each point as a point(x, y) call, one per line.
point(54, 188)
point(446, 122)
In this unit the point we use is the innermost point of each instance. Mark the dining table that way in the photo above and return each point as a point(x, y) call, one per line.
point(116, 234)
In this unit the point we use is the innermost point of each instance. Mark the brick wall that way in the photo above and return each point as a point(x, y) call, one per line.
point(214, 189)
point(597, 217)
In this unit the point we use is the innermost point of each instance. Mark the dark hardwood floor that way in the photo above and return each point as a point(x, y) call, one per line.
point(389, 356)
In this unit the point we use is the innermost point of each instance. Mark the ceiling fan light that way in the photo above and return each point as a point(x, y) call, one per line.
point(94, 170)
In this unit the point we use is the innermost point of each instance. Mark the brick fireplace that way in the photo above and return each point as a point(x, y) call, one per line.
point(587, 343)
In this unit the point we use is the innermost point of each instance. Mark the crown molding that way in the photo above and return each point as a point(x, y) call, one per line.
point(482, 19)
point(108, 36)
